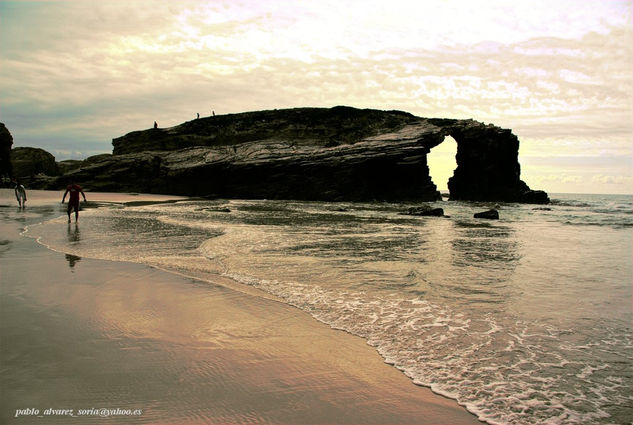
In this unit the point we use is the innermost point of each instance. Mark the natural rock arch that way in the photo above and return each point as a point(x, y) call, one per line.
point(487, 163)
point(335, 154)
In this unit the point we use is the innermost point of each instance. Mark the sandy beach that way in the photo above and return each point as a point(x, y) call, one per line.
point(80, 335)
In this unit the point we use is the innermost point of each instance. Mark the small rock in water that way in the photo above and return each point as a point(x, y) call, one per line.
point(426, 210)
point(490, 214)
point(211, 209)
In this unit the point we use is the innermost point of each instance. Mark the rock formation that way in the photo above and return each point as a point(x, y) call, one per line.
point(487, 164)
point(492, 214)
point(334, 154)
point(425, 211)
point(6, 141)
point(316, 127)
point(28, 162)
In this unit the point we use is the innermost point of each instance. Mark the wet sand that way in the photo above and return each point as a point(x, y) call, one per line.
point(84, 334)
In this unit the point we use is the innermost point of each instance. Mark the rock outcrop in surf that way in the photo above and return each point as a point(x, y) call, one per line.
point(333, 154)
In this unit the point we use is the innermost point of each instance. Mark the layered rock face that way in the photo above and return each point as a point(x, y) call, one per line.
point(273, 170)
point(317, 127)
point(334, 154)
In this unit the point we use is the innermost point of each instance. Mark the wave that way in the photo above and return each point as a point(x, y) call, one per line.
point(437, 299)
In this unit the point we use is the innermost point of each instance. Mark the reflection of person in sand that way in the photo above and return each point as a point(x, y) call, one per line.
point(73, 238)
point(72, 260)
point(73, 235)
point(73, 200)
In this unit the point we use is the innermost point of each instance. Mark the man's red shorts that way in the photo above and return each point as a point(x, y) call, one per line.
point(73, 205)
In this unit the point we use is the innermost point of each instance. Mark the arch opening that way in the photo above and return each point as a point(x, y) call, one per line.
point(442, 163)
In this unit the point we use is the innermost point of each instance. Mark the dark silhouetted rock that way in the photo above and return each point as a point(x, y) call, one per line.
point(534, 197)
point(490, 214)
point(268, 170)
point(69, 165)
point(487, 164)
point(6, 141)
point(426, 210)
point(317, 127)
point(96, 158)
point(27, 162)
point(333, 154)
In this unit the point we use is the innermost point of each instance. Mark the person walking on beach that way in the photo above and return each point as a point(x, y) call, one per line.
point(73, 200)
point(20, 194)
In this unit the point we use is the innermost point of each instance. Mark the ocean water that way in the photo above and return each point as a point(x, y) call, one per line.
point(523, 320)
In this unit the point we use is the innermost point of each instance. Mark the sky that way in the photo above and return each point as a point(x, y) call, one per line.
point(75, 74)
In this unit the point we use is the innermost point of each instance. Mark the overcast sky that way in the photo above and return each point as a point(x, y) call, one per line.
point(74, 74)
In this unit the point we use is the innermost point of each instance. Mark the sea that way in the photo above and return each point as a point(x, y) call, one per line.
point(522, 320)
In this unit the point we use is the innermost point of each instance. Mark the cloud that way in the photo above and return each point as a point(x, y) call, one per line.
point(559, 178)
point(557, 74)
point(612, 180)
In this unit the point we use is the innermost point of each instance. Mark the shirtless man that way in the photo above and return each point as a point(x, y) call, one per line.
point(73, 200)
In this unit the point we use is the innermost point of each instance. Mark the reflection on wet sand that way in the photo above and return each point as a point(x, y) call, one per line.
point(73, 233)
point(72, 260)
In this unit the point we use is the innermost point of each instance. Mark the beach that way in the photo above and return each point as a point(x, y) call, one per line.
point(93, 341)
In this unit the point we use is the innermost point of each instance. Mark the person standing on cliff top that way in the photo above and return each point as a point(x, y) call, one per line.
point(73, 200)
point(20, 194)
